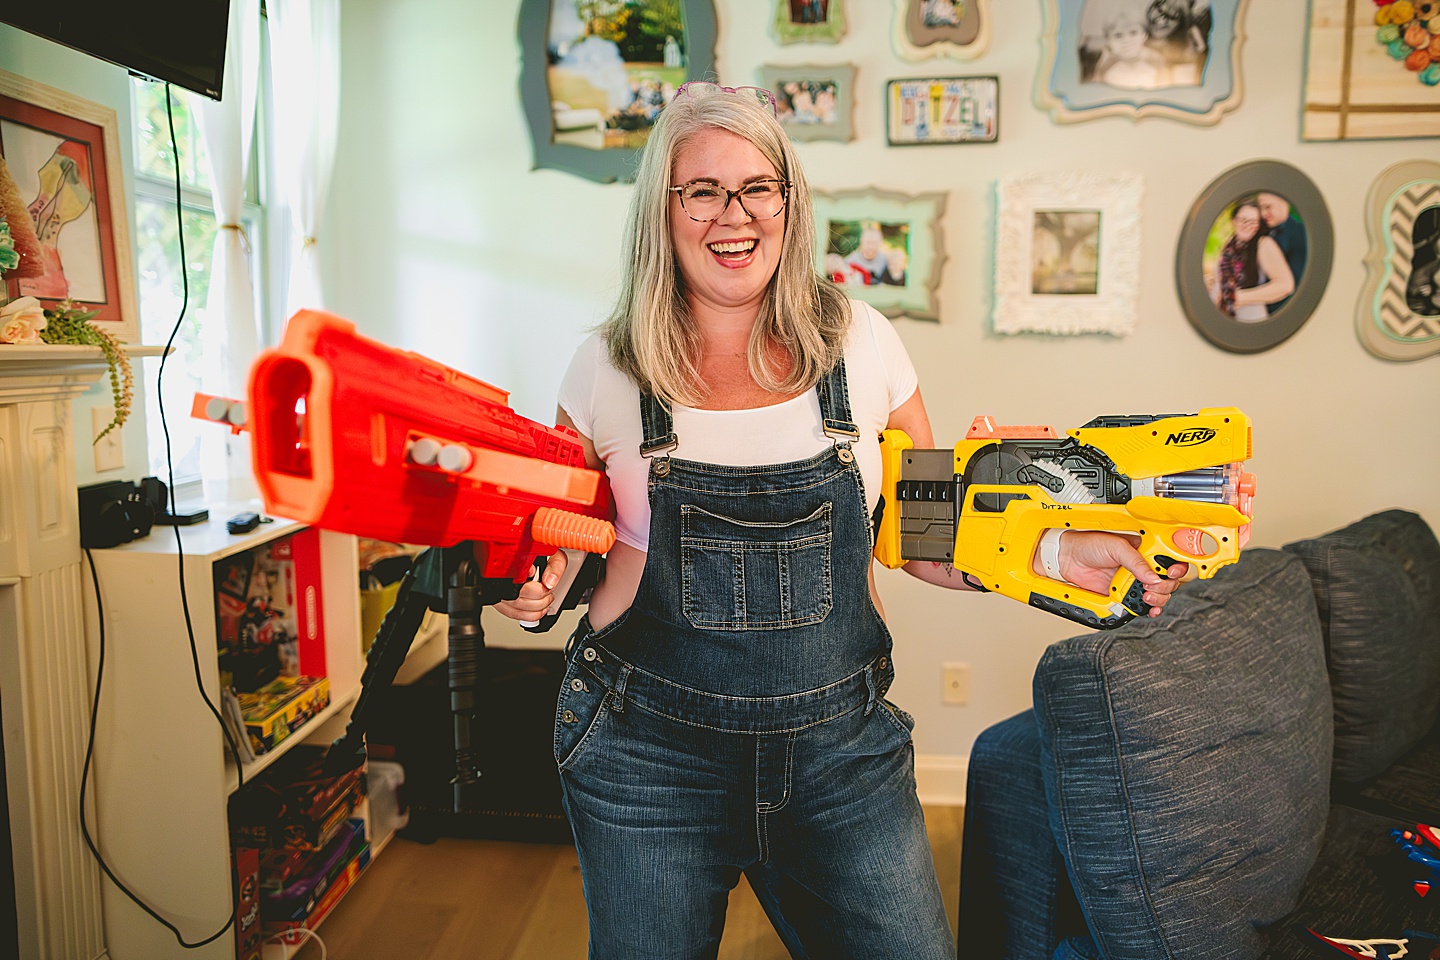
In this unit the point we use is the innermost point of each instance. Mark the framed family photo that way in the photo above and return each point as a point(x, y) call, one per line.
point(1372, 71)
point(592, 85)
point(812, 102)
point(63, 153)
point(1254, 256)
point(942, 110)
point(1067, 253)
point(1140, 58)
point(959, 29)
point(1398, 315)
point(883, 247)
point(809, 21)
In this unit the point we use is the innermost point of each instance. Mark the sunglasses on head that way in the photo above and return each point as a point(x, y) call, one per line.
point(762, 96)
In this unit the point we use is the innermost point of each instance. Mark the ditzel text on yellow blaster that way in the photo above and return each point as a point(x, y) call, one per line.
point(1175, 482)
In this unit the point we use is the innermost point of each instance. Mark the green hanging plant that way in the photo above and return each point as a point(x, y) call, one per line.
point(66, 323)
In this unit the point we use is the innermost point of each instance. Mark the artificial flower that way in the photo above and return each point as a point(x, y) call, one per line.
point(21, 321)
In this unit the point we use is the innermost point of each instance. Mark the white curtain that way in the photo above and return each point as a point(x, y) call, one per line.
point(227, 127)
point(305, 66)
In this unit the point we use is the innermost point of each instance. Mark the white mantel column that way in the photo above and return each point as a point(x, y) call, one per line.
point(46, 681)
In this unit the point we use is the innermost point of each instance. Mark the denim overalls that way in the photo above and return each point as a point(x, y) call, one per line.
point(733, 719)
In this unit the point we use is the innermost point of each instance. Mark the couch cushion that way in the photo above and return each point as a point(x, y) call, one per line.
point(1186, 760)
point(1360, 889)
point(1377, 585)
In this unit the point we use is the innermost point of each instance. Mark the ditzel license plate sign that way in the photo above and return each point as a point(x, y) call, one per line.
point(943, 110)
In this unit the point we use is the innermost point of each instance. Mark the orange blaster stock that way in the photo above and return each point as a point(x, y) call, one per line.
point(355, 436)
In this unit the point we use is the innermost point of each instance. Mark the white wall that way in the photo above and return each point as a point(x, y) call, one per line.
point(108, 85)
point(440, 238)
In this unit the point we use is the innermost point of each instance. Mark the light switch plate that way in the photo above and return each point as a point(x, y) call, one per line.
point(109, 452)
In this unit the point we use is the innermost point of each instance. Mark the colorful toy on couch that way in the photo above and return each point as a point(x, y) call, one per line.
point(1422, 846)
point(1174, 481)
point(1382, 948)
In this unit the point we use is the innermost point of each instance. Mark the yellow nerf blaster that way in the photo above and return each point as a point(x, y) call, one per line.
point(1175, 481)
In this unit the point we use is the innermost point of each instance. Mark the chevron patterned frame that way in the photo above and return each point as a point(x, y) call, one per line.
point(1398, 315)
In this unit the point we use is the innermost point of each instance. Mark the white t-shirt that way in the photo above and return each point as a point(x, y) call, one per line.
point(605, 407)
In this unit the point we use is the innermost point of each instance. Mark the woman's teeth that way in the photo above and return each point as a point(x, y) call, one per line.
point(732, 248)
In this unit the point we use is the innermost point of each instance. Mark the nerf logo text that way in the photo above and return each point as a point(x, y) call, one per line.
point(1190, 438)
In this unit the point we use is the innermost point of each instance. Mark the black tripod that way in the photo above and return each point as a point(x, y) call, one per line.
point(446, 580)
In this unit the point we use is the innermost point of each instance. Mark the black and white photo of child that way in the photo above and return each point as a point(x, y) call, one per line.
point(1144, 44)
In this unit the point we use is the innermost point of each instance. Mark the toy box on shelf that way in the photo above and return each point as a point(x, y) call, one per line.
point(298, 890)
point(268, 616)
point(281, 707)
point(247, 903)
point(296, 804)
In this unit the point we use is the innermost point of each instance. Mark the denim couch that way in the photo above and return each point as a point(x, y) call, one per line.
point(1213, 782)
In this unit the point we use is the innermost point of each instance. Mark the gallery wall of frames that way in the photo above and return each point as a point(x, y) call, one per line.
point(1256, 251)
point(1071, 208)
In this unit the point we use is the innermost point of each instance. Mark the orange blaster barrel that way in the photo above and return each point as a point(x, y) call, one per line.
point(355, 436)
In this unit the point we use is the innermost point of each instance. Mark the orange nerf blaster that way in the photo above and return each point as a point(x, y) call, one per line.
point(1173, 481)
point(355, 436)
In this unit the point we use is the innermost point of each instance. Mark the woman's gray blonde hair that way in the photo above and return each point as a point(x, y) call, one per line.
point(650, 334)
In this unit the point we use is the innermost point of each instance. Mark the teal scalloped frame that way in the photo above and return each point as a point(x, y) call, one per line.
point(829, 30)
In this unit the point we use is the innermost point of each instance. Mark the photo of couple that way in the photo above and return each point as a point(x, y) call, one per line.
point(1144, 44)
point(1255, 257)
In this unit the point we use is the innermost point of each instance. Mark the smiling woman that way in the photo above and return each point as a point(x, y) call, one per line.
point(723, 712)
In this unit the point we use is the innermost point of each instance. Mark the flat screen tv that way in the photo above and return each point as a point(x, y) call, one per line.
point(178, 41)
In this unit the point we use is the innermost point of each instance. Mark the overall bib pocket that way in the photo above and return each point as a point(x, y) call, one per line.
point(747, 575)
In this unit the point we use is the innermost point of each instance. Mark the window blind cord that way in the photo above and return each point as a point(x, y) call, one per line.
point(184, 603)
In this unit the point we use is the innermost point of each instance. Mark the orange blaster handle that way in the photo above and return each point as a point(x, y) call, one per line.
point(355, 436)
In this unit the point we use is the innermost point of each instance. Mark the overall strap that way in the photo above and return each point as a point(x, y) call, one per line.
point(835, 405)
point(657, 423)
point(657, 426)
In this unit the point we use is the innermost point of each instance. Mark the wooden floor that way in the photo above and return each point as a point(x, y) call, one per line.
point(488, 900)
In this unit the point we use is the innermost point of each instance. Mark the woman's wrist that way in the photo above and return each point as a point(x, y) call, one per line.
point(1047, 554)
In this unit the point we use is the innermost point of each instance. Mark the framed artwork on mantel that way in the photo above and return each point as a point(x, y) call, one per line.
point(63, 153)
point(1140, 58)
point(592, 88)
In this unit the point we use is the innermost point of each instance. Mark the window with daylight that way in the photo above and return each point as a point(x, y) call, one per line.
point(165, 289)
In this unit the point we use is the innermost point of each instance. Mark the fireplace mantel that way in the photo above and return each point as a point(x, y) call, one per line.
point(47, 371)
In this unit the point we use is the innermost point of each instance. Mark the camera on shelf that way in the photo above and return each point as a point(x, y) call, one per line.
point(113, 512)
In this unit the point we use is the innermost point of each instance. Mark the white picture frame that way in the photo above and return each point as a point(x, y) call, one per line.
point(1067, 253)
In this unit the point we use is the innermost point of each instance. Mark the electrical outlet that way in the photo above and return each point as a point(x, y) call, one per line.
point(956, 691)
point(109, 452)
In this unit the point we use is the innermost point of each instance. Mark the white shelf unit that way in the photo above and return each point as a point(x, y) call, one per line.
point(162, 777)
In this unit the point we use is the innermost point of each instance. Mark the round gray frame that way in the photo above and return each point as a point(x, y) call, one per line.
point(1270, 176)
